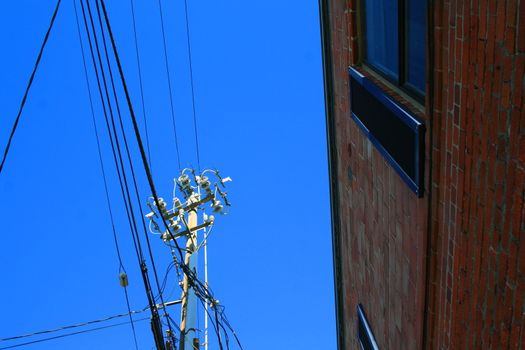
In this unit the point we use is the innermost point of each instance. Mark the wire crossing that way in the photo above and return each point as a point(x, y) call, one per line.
point(119, 256)
point(98, 32)
point(71, 334)
point(26, 93)
point(114, 136)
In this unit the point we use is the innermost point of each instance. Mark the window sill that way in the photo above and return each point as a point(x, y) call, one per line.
point(397, 94)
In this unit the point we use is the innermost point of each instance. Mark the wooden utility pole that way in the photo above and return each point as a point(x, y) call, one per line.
point(181, 221)
point(188, 336)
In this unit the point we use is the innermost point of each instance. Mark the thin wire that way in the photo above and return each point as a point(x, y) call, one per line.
point(76, 325)
point(123, 186)
point(201, 290)
point(22, 104)
point(138, 249)
point(70, 334)
point(130, 162)
point(169, 82)
point(121, 265)
point(140, 80)
point(192, 88)
point(129, 158)
point(225, 320)
point(204, 240)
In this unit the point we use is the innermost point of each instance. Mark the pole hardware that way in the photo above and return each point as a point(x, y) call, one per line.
point(198, 194)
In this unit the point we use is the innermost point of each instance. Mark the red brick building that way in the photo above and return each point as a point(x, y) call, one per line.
point(427, 169)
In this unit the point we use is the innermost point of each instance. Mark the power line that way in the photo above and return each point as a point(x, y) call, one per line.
point(169, 83)
point(130, 162)
point(22, 104)
point(140, 80)
point(121, 265)
point(192, 88)
point(201, 290)
point(71, 334)
point(83, 324)
point(122, 177)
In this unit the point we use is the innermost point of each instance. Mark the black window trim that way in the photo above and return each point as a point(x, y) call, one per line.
point(401, 82)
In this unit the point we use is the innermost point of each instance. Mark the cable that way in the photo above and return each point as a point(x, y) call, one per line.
point(70, 334)
point(140, 80)
point(105, 319)
point(195, 283)
point(123, 184)
point(129, 157)
point(22, 104)
point(192, 89)
point(121, 265)
point(169, 83)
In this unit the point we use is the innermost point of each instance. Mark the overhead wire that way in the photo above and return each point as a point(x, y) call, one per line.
point(205, 292)
point(70, 334)
point(121, 264)
point(122, 176)
point(140, 81)
point(188, 41)
point(169, 83)
point(129, 160)
point(200, 289)
point(108, 127)
point(128, 155)
point(29, 84)
point(76, 325)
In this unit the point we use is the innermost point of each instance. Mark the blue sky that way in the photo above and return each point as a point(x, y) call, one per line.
point(259, 103)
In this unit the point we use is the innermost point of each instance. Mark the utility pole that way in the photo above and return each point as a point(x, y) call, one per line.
point(182, 221)
point(188, 320)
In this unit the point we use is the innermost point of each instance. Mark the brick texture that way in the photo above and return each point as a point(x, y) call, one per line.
point(383, 223)
point(477, 277)
point(469, 292)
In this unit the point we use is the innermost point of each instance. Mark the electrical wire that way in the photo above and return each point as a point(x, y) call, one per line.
point(200, 289)
point(76, 325)
point(169, 82)
point(31, 78)
point(121, 265)
point(70, 334)
point(129, 158)
point(122, 176)
point(140, 80)
point(188, 41)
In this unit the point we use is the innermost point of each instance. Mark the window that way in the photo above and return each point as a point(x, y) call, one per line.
point(395, 42)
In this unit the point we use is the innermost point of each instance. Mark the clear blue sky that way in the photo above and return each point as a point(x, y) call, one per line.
point(259, 98)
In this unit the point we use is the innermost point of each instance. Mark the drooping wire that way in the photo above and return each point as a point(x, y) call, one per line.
point(76, 325)
point(71, 334)
point(169, 83)
point(201, 290)
point(105, 110)
point(121, 176)
point(31, 78)
point(188, 41)
point(130, 162)
point(140, 81)
point(121, 265)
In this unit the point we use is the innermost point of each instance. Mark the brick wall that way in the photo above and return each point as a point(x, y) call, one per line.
point(477, 263)
point(469, 292)
point(383, 224)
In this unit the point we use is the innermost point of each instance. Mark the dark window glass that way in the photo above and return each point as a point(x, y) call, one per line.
point(416, 44)
point(382, 36)
point(395, 41)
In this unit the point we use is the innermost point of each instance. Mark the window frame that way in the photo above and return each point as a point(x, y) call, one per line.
point(401, 82)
